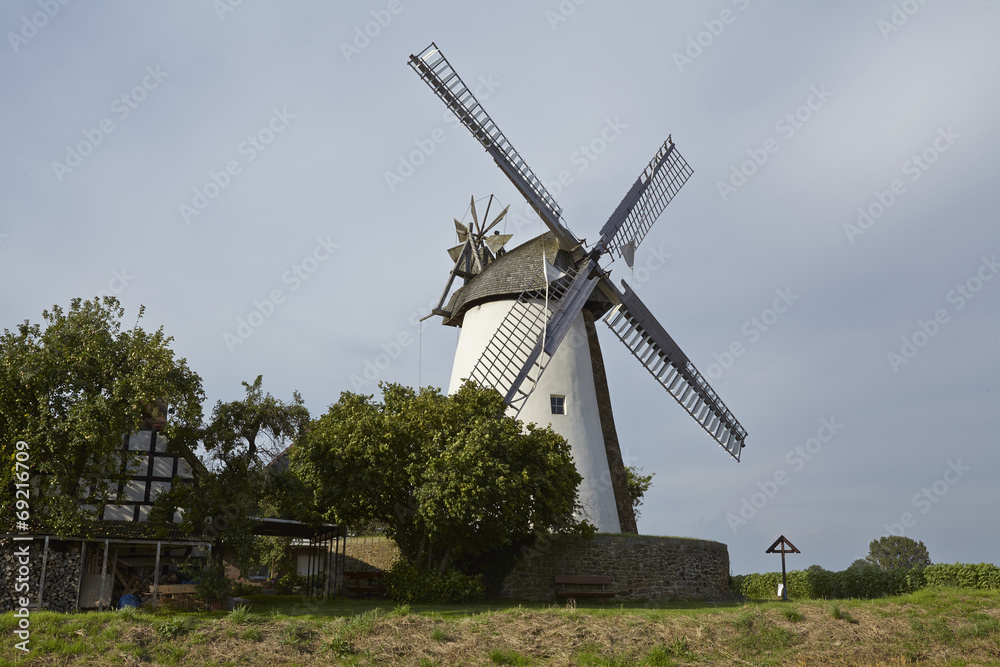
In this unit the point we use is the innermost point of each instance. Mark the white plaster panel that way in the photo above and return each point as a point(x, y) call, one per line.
point(163, 466)
point(569, 373)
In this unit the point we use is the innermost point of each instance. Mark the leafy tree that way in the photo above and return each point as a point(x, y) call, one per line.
point(240, 440)
point(859, 563)
point(895, 552)
point(250, 433)
point(448, 475)
point(73, 390)
point(638, 484)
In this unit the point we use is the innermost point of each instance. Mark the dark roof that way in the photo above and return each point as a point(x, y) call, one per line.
point(289, 528)
point(508, 275)
point(124, 530)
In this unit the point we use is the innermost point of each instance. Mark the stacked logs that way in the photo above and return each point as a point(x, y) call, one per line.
point(62, 572)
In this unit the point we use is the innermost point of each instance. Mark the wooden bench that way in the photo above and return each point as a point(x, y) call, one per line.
point(174, 589)
point(364, 584)
point(176, 596)
point(583, 586)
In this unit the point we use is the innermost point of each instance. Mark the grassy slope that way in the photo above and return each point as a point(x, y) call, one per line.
point(959, 627)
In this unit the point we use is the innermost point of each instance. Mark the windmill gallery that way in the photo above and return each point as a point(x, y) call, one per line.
point(527, 315)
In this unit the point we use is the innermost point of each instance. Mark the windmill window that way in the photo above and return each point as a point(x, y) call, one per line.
point(558, 404)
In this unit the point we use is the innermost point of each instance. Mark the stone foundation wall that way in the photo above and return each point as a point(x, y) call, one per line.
point(641, 567)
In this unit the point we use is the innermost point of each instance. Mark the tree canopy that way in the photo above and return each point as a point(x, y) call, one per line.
point(895, 552)
point(241, 439)
point(638, 484)
point(448, 475)
point(73, 390)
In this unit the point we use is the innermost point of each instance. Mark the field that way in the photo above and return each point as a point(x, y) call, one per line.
point(932, 627)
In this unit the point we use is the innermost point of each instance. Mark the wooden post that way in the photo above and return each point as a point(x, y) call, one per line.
point(783, 546)
point(156, 575)
point(41, 580)
point(784, 582)
point(79, 579)
point(208, 563)
point(114, 571)
point(104, 576)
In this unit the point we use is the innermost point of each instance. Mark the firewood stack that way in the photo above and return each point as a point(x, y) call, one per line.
point(62, 571)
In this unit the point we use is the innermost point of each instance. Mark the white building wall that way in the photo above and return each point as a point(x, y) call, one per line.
point(569, 373)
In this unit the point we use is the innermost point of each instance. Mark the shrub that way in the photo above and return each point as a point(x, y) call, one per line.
point(410, 583)
point(982, 576)
point(242, 589)
point(210, 580)
point(287, 584)
point(865, 582)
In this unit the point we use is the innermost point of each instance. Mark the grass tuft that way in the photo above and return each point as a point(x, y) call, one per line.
point(500, 656)
point(174, 627)
point(758, 634)
point(841, 615)
point(659, 657)
point(240, 614)
point(791, 614)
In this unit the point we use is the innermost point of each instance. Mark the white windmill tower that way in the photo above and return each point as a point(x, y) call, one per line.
point(527, 316)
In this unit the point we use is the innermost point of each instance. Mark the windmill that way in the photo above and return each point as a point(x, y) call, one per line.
point(527, 316)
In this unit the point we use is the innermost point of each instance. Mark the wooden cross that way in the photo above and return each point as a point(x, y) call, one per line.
point(786, 547)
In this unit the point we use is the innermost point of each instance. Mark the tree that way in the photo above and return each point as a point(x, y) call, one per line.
point(896, 552)
point(449, 475)
point(249, 433)
point(638, 484)
point(240, 440)
point(72, 391)
point(859, 563)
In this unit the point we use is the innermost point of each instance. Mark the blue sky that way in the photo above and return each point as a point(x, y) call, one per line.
point(212, 161)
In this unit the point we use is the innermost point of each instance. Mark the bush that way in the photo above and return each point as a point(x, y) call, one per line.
point(410, 583)
point(287, 584)
point(241, 589)
point(210, 580)
point(865, 582)
point(982, 576)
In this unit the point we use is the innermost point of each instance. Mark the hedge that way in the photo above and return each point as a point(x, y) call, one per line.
point(866, 582)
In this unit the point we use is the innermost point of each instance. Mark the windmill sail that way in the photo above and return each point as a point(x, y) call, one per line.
point(528, 336)
point(437, 72)
point(645, 200)
point(635, 326)
point(519, 350)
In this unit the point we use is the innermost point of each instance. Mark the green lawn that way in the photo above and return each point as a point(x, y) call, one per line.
point(933, 626)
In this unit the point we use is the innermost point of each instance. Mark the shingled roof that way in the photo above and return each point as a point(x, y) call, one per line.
point(508, 276)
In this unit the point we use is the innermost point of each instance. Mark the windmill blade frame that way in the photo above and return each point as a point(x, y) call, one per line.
point(655, 188)
point(648, 341)
point(529, 335)
point(435, 70)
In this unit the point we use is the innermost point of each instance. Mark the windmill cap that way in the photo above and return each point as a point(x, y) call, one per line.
point(509, 275)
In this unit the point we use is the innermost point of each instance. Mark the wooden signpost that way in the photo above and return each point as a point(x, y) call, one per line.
point(786, 547)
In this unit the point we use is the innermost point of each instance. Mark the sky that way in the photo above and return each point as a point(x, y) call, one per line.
point(276, 187)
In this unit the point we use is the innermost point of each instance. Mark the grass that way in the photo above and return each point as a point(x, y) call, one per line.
point(758, 633)
point(499, 656)
point(930, 627)
point(837, 613)
point(240, 614)
point(791, 614)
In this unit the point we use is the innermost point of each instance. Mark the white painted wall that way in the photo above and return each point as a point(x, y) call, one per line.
point(570, 374)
